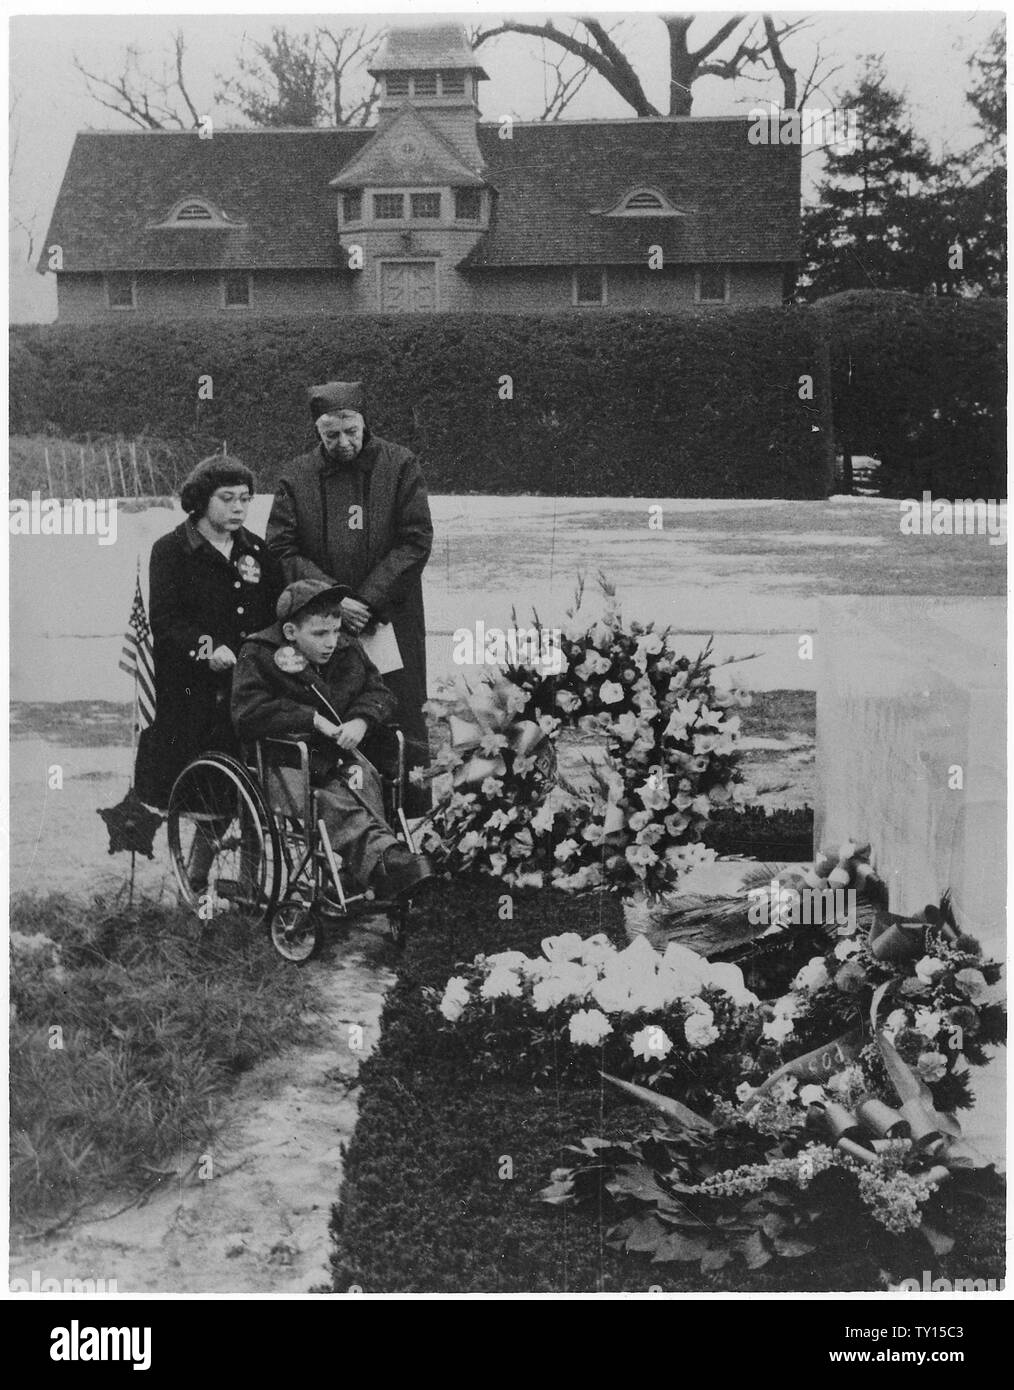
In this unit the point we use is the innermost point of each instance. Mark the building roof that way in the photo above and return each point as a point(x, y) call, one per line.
point(554, 182)
point(740, 202)
point(433, 46)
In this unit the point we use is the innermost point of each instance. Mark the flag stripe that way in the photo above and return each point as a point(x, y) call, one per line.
point(137, 659)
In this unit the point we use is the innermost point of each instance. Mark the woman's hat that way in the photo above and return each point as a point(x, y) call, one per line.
point(334, 396)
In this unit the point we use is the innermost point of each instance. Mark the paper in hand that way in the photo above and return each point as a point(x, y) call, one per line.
point(381, 646)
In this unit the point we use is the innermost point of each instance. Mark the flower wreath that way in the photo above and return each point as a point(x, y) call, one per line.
point(670, 760)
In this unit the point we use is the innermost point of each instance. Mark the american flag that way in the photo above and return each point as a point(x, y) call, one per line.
point(136, 659)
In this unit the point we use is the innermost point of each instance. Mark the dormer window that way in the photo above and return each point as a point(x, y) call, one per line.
point(467, 204)
point(424, 84)
point(449, 83)
point(452, 84)
point(397, 84)
point(643, 202)
point(198, 215)
point(352, 205)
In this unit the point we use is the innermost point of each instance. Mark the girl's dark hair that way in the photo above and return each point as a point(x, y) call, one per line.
point(207, 477)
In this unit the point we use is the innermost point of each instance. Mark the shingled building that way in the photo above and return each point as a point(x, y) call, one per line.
point(432, 209)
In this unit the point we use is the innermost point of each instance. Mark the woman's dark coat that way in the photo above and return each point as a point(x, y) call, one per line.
point(365, 524)
point(198, 601)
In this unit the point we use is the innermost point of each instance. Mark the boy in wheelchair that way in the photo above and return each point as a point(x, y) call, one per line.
point(304, 678)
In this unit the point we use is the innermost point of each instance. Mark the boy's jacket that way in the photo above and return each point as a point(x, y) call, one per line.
point(271, 702)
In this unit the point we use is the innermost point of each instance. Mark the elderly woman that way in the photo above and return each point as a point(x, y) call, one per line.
point(211, 583)
point(354, 511)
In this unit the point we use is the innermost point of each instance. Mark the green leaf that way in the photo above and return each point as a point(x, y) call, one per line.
point(679, 1248)
point(639, 1183)
point(714, 1260)
point(558, 1193)
point(755, 1252)
point(684, 1117)
point(790, 1249)
point(642, 1234)
point(940, 1241)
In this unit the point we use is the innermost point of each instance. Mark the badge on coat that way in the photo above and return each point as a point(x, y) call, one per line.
point(249, 569)
point(290, 661)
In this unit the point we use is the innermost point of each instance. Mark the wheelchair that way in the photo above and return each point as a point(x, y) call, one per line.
point(244, 835)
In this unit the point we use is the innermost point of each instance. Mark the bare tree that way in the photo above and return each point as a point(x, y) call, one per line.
point(759, 45)
point(24, 221)
point(153, 101)
point(305, 79)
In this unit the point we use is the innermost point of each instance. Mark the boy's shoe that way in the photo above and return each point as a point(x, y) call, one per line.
point(399, 873)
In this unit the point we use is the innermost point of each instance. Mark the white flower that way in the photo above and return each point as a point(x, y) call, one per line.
point(567, 701)
point(456, 996)
point(844, 1081)
point(785, 1088)
point(597, 950)
point(813, 975)
point(507, 960)
point(651, 1043)
point(787, 1006)
point(846, 948)
point(725, 976)
point(931, 1066)
point(612, 994)
point(589, 1027)
point(639, 855)
point(532, 879)
point(565, 850)
point(567, 946)
point(611, 692)
point(972, 983)
point(929, 968)
point(501, 984)
point(470, 842)
point(777, 1029)
point(929, 1022)
point(625, 727)
point(700, 1030)
point(896, 1020)
point(654, 793)
point(690, 970)
point(548, 724)
point(491, 786)
point(812, 1095)
point(542, 821)
point(497, 863)
point(744, 1091)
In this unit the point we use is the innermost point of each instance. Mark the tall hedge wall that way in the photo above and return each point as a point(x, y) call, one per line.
point(702, 405)
point(920, 383)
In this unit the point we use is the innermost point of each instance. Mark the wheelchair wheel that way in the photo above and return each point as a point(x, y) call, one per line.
point(223, 842)
point(295, 932)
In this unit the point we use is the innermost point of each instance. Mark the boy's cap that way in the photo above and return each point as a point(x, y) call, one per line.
point(302, 592)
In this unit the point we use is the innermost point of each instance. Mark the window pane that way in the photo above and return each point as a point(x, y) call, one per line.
point(237, 290)
point(120, 289)
point(388, 206)
point(425, 84)
point(352, 206)
point(425, 204)
point(452, 83)
point(467, 204)
point(397, 84)
point(193, 212)
point(712, 283)
point(589, 286)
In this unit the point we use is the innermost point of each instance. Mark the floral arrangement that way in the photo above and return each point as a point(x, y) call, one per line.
point(670, 761)
point(586, 1003)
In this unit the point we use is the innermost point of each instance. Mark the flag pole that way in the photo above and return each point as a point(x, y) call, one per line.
point(136, 713)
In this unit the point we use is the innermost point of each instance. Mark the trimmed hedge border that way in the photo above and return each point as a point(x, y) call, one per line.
point(423, 1208)
point(701, 405)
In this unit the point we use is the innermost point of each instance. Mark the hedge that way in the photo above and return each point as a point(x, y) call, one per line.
point(423, 1206)
point(615, 405)
point(920, 383)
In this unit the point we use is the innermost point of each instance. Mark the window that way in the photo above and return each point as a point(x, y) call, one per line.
point(388, 207)
point(452, 84)
point(120, 291)
point(194, 212)
point(467, 204)
point(352, 206)
point(236, 290)
point(643, 202)
point(397, 84)
point(712, 284)
point(424, 84)
point(589, 285)
point(425, 204)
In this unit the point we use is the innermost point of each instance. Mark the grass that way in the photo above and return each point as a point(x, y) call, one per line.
point(127, 1031)
point(424, 1206)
